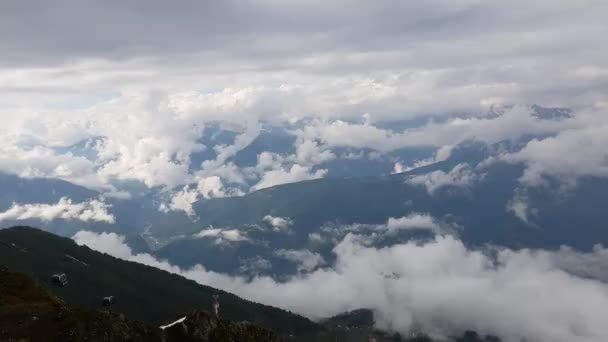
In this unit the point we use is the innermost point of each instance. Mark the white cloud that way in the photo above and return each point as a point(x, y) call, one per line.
point(278, 223)
point(462, 175)
point(218, 166)
point(222, 235)
point(295, 173)
point(211, 187)
point(520, 207)
point(373, 233)
point(207, 187)
point(181, 201)
point(109, 243)
point(440, 287)
point(64, 209)
point(315, 237)
point(306, 260)
point(308, 152)
point(513, 123)
point(413, 221)
point(345, 134)
point(579, 151)
point(42, 161)
point(151, 94)
point(442, 154)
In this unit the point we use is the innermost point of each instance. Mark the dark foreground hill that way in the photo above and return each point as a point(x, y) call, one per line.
point(28, 312)
point(141, 292)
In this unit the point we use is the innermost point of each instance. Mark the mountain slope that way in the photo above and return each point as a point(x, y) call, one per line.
point(142, 292)
point(28, 312)
point(478, 212)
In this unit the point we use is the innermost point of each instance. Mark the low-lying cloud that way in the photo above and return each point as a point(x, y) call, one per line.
point(278, 223)
point(576, 152)
point(306, 260)
point(439, 287)
point(222, 235)
point(462, 176)
point(64, 209)
point(413, 221)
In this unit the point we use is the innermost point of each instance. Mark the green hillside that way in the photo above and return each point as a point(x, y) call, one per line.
point(28, 312)
point(141, 292)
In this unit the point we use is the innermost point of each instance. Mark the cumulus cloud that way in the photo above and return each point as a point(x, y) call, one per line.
point(462, 175)
point(278, 223)
point(222, 235)
point(579, 151)
point(305, 259)
point(42, 161)
point(181, 201)
point(64, 209)
point(309, 152)
point(440, 287)
point(211, 187)
point(413, 221)
point(207, 187)
point(151, 94)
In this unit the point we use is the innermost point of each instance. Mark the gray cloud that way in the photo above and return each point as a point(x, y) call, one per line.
point(149, 76)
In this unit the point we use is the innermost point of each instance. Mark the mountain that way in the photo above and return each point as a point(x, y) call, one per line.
point(349, 326)
point(478, 212)
point(33, 308)
point(141, 292)
point(29, 312)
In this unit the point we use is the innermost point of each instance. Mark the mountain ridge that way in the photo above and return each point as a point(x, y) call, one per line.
point(142, 292)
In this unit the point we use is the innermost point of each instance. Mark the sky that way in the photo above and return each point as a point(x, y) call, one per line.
point(136, 83)
point(145, 78)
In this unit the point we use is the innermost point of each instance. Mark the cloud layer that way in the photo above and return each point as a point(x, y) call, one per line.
point(461, 176)
point(143, 98)
point(439, 287)
point(65, 209)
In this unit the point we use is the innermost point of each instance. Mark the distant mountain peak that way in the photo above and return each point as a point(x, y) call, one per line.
point(541, 112)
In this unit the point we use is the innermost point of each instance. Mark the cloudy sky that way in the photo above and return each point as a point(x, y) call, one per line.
point(148, 76)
